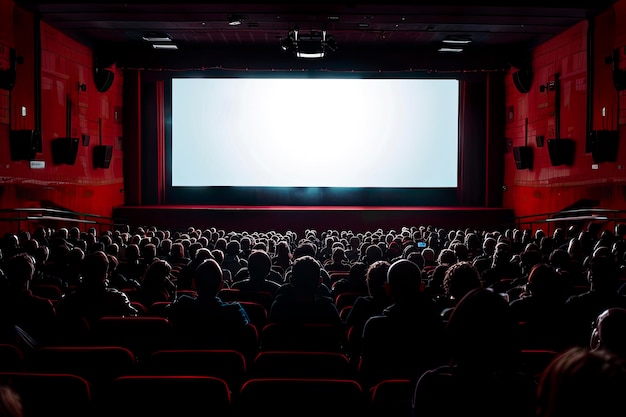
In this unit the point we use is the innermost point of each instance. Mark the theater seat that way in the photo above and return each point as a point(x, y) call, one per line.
point(141, 335)
point(301, 364)
point(168, 396)
point(283, 397)
point(227, 364)
point(44, 394)
point(303, 337)
point(99, 365)
point(391, 398)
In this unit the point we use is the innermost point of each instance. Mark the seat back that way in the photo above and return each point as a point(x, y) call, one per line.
point(227, 364)
point(256, 312)
point(281, 397)
point(158, 309)
point(264, 298)
point(45, 394)
point(391, 398)
point(141, 335)
point(167, 396)
point(11, 358)
point(303, 336)
point(301, 364)
point(99, 365)
point(534, 361)
point(348, 298)
point(244, 339)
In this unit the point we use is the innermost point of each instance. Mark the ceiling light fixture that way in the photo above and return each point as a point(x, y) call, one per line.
point(457, 40)
point(314, 44)
point(446, 49)
point(169, 46)
point(156, 37)
point(235, 19)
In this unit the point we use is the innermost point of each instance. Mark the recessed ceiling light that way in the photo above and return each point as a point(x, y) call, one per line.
point(457, 40)
point(156, 37)
point(446, 49)
point(170, 46)
point(235, 20)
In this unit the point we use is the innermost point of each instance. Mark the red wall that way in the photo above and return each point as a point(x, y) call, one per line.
point(65, 64)
point(546, 188)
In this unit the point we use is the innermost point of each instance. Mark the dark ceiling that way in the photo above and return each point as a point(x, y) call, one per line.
point(370, 36)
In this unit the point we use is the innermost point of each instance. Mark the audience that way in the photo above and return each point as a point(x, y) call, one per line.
point(452, 338)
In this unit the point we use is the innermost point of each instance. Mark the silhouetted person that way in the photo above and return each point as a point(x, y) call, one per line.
point(540, 311)
point(406, 339)
point(201, 321)
point(93, 299)
point(582, 309)
point(582, 382)
point(259, 269)
point(609, 331)
point(482, 376)
point(354, 282)
point(299, 300)
point(156, 284)
point(367, 306)
point(460, 278)
point(19, 306)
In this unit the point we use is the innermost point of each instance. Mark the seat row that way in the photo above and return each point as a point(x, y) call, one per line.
point(100, 381)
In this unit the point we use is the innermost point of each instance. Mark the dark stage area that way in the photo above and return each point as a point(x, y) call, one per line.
point(300, 218)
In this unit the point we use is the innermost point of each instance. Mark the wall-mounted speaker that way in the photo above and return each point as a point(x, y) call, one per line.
point(561, 151)
point(523, 80)
point(604, 145)
point(619, 79)
point(64, 151)
point(102, 156)
point(523, 157)
point(7, 79)
point(7, 76)
point(103, 78)
point(24, 144)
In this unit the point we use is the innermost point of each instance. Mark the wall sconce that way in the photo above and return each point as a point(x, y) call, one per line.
point(549, 86)
point(82, 87)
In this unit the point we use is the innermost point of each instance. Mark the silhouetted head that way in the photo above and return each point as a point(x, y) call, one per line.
point(609, 331)
point(208, 278)
point(306, 274)
point(404, 280)
point(480, 331)
point(582, 382)
point(259, 265)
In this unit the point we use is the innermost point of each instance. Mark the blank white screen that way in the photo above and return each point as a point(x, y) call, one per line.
point(270, 132)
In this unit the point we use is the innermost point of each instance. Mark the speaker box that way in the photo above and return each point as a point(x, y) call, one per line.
point(7, 79)
point(24, 144)
point(561, 151)
point(64, 151)
point(102, 156)
point(103, 79)
point(604, 144)
point(523, 80)
point(523, 157)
